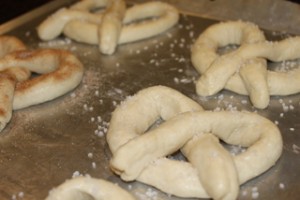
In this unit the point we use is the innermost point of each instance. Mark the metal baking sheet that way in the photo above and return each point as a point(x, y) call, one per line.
point(46, 144)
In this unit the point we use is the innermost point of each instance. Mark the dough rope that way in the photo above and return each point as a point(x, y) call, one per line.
point(111, 26)
point(88, 188)
point(10, 44)
point(8, 81)
point(244, 70)
point(59, 72)
point(83, 26)
point(142, 157)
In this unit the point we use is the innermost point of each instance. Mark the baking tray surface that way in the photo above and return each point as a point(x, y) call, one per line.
point(46, 144)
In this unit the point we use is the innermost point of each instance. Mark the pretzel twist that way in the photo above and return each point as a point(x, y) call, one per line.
point(59, 72)
point(88, 188)
point(211, 170)
point(244, 70)
point(116, 26)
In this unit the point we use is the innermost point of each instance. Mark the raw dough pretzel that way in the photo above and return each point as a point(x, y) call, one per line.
point(61, 72)
point(142, 156)
point(53, 26)
point(88, 188)
point(244, 70)
point(86, 29)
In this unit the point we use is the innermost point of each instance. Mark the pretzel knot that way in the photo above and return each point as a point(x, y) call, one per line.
point(211, 171)
point(57, 72)
point(244, 70)
point(115, 26)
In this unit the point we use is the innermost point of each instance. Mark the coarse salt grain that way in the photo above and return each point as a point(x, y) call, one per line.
point(75, 174)
point(14, 197)
point(191, 34)
point(73, 95)
point(281, 185)
point(90, 155)
point(296, 149)
point(85, 107)
point(99, 133)
point(285, 107)
point(244, 101)
point(181, 60)
point(151, 193)
point(176, 80)
point(254, 193)
point(28, 33)
point(21, 194)
point(244, 192)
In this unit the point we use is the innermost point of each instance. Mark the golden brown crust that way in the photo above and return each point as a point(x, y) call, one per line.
point(56, 73)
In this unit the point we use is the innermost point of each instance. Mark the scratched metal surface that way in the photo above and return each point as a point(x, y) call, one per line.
point(45, 144)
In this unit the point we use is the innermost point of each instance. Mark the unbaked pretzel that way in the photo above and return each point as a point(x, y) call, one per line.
point(244, 70)
point(142, 157)
point(88, 188)
point(86, 29)
point(60, 71)
point(53, 26)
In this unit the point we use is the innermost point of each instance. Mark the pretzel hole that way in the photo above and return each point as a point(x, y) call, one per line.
point(98, 10)
point(284, 66)
point(227, 49)
point(177, 155)
point(141, 21)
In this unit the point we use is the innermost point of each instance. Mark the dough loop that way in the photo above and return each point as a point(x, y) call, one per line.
point(211, 171)
point(59, 72)
point(88, 188)
point(244, 70)
point(115, 26)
